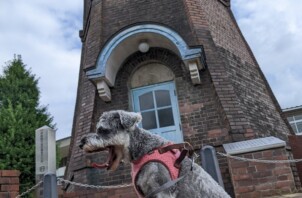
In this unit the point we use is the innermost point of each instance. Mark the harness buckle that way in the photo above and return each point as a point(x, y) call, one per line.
point(193, 161)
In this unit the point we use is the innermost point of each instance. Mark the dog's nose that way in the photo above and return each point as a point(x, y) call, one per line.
point(83, 142)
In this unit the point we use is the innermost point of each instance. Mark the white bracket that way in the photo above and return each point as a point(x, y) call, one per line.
point(194, 65)
point(103, 90)
point(194, 72)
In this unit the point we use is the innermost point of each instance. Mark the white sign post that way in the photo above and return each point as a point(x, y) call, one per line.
point(45, 150)
point(46, 161)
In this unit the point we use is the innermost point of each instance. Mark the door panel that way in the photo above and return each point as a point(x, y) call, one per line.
point(159, 108)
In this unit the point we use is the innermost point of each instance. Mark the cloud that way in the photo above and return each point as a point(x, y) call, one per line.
point(45, 33)
point(273, 29)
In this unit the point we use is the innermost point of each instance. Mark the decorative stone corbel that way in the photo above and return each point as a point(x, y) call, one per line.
point(194, 65)
point(103, 90)
point(195, 61)
point(194, 72)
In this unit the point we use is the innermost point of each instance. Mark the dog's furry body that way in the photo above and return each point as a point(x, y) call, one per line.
point(119, 129)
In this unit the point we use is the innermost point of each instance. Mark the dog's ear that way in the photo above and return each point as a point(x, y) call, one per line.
point(129, 119)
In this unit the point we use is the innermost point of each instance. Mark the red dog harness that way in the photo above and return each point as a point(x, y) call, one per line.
point(170, 155)
point(167, 159)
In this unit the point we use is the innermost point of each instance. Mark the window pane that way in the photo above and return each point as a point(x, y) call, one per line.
point(299, 126)
point(162, 98)
point(294, 127)
point(298, 117)
point(149, 120)
point(290, 119)
point(146, 101)
point(165, 117)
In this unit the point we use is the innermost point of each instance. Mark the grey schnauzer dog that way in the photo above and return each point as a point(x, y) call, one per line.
point(118, 132)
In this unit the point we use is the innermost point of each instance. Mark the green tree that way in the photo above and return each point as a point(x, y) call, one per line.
point(20, 116)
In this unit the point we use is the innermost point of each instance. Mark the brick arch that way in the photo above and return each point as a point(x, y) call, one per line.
point(126, 42)
point(154, 55)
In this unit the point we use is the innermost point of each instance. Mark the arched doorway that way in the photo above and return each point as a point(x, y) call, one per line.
point(154, 96)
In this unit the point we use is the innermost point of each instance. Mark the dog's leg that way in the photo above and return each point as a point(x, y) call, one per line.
point(151, 177)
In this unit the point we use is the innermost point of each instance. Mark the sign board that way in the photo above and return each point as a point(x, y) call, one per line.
point(45, 151)
point(253, 145)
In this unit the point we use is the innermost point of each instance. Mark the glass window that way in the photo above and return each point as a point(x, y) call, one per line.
point(158, 113)
point(158, 106)
point(165, 117)
point(149, 120)
point(299, 127)
point(298, 117)
point(293, 125)
point(290, 119)
point(146, 101)
point(162, 98)
point(296, 123)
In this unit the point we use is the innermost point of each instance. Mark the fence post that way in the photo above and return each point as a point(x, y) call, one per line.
point(50, 186)
point(210, 163)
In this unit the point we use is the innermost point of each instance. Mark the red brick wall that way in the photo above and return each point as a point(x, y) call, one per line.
point(200, 118)
point(9, 183)
point(224, 30)
point(214, 112)
point(108, 17)
point(230, 110)
point(194, 114)
point(295, 142)
point(254, 179)
point(254, 98)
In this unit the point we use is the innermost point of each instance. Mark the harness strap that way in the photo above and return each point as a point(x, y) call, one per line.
point(183, 154)
point(165, 186)
point(170, 147)
point(180, 146)
point(185, 148)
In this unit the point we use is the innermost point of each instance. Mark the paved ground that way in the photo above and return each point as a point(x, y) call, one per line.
point(296, 195)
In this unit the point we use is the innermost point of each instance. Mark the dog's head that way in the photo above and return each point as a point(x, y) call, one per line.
point(112, 134)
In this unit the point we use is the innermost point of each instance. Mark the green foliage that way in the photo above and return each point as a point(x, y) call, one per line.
point(20, 116)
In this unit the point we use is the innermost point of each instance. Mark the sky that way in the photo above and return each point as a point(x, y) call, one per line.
point(45, 33)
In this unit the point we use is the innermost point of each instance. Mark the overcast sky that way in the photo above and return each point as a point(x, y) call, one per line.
point(45, 33)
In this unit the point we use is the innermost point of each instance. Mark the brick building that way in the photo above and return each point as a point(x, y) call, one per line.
point(182, 60)
point(294, 117)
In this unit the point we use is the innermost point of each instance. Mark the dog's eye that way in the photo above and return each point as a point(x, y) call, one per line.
point(116, 115)
point(103, 131)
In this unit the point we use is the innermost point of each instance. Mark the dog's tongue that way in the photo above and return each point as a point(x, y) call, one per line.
point(107, 163)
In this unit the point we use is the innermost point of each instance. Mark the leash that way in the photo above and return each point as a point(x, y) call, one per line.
point(165, 186)
point(186, 149)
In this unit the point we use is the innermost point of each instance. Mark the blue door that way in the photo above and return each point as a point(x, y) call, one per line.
point(159, 108)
